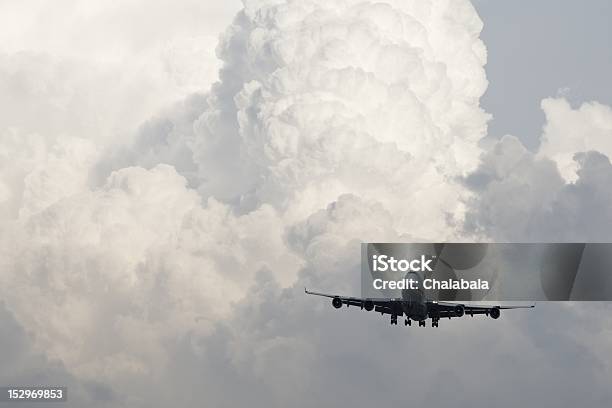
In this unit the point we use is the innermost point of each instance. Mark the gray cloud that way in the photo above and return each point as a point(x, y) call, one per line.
point(520, 196)
point(23, 365)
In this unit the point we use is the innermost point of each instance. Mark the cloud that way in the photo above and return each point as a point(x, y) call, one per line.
point(139, 258)
point(568, 131)
point(170, 262)
point(133, 247)
point(310, 107)
point(520, 195)
point(172, 48)
point(108, 69)
point(347, 356)
point(23, 364)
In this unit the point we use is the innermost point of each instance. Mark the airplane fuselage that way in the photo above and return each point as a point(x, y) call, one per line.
point(414, 302)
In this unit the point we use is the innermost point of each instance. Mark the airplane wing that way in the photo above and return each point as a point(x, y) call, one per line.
point(436, 309)
point(380, 305)
point(449, 309)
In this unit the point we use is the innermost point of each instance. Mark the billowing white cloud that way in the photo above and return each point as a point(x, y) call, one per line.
point(139, 258)
point(363, 109)
point(568, 131)
point(360, 98)
point(171, 260)
point(96, 71)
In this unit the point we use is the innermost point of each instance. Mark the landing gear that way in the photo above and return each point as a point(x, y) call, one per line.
point(407, 322)
point(394, 319)
point(434, 323)
point(421, 323)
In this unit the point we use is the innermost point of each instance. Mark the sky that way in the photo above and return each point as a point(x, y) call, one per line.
point(173, 176)
point(548, 49)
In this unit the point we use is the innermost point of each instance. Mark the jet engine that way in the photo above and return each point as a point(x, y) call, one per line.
point(494, 312)
point(459, 310)
point(368, 305)
point(337, 302)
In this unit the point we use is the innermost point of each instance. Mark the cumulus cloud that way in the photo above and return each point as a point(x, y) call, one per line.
point(139, 258)
point(521, 195)
point(321, 99)
point(568, 131)
point(170, 263)
point(97, 71)
point(323, 111)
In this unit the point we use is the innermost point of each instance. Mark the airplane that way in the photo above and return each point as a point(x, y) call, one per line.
point(416, 307)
